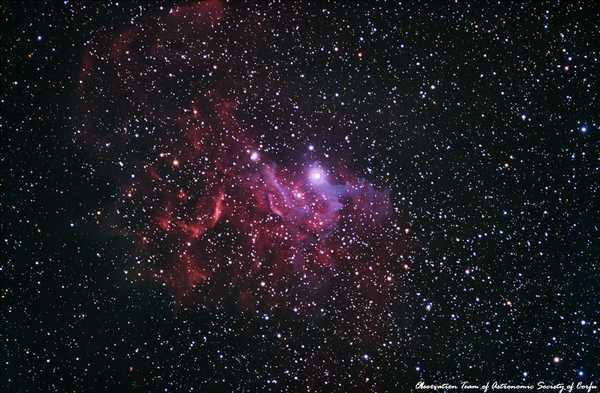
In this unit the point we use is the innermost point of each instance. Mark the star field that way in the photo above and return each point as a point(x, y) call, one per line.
point(352, 197)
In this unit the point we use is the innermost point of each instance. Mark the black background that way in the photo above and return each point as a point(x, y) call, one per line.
point(494, 171)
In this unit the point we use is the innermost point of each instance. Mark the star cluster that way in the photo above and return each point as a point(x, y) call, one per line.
point(298, 197)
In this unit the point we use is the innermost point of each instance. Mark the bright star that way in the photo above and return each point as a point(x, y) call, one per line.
point(317, 175)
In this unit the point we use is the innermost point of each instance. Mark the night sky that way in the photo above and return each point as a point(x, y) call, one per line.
point(299, 197)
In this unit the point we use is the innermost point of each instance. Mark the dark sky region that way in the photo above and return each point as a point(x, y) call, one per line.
point(299, 197)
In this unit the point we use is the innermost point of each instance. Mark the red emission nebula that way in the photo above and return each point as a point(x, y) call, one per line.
point(167, 107)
